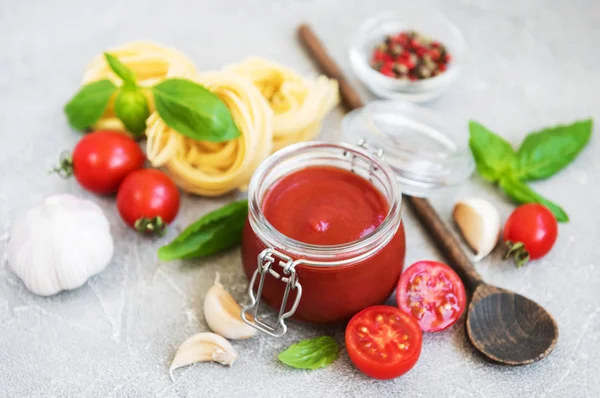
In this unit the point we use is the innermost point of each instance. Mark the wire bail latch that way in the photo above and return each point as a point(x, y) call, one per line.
point(268, 260)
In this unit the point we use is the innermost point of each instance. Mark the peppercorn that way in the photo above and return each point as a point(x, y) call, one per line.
point(423, 72)
point(383, 47)
point(400, 69)
point(410, 55)
point(396, 49)
point(376, 65)
point(386, 70)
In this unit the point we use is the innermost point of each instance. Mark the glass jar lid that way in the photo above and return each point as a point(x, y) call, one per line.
point(426, 152)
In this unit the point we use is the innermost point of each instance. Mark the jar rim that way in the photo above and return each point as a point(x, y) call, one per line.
point(324, 255)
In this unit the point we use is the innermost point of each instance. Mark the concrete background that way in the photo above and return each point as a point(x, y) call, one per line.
point(532, 64)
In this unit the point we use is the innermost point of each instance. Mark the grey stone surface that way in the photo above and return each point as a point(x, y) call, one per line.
point(531, 64)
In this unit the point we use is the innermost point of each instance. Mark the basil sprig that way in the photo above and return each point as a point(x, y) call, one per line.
point(215, 231)
point(311, 354)
point(89, 104)
point(541, 155)
point(183, 105)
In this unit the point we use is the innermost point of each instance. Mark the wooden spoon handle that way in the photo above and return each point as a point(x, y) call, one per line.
point(445, 241)
point(438, 231)
point(319, 55)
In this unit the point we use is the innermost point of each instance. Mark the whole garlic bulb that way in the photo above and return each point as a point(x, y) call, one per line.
point(59, 244)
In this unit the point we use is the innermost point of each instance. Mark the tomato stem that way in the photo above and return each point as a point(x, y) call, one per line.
point(65, 167)
point(151, 226)
point(517, 251)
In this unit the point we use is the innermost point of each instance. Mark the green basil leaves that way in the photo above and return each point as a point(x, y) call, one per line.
point(183, 105)
point(494, 156)
point(193, 111)
point(215, 231)
point(311, 354)
point(541, 155)
point(522, 193)
point(89, 104)
point(120, 70)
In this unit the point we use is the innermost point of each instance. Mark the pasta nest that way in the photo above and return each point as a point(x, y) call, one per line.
point(273, 106)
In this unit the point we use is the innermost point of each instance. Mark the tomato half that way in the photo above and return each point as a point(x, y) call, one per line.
point(148, 200)
point(530, 232)
point(101, 160)
point(433, 294)
point(383, 342)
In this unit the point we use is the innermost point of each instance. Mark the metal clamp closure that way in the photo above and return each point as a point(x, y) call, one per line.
point(378, 152)
point(267, 259)
point(375, 151)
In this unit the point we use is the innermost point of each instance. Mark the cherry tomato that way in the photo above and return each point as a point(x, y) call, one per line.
point(433, 294)
point(383, 342)
point(101, 160)
point(148, 200)
point(530, 232)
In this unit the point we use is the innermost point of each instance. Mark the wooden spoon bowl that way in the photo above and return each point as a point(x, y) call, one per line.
point(509, 328)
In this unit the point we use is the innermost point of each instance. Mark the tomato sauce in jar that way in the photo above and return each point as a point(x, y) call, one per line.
point(324, 205)
point(331, 212)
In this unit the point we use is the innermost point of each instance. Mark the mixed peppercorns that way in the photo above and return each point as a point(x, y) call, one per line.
point(411, 56)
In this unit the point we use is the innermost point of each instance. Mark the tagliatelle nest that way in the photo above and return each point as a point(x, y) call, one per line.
point(273, 106)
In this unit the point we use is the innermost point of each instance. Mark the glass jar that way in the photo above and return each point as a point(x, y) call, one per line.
point(313, 283)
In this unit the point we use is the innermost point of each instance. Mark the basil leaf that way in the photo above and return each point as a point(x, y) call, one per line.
point(310, 354)
point(521, 193)
point(89, 104)
point(543, 153)
point(193, 111)
point(120, 69)
point(131, 107)
point(215, 231)
point(494, 156)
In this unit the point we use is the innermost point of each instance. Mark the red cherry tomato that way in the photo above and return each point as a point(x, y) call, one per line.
point(433, 294)
point(530, 232)
point(148, 200)
point(383, 342)
point(101, 160)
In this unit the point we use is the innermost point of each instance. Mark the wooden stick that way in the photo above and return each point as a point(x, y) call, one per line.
point(439, 233)
point(318, 53)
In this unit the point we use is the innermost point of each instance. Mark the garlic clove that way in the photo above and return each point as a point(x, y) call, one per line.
point(223, 314)
point(479, 223)
point(203, 347)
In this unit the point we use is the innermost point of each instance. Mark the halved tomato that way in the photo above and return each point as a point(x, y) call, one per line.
point(432, 293)
point(383, 342)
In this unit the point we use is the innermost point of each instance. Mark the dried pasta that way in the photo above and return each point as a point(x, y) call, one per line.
point(272, 106)
point(299, 104)
point(208, 168)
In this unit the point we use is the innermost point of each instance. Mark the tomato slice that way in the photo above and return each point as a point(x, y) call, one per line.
point(383, 342)
point(433, 294)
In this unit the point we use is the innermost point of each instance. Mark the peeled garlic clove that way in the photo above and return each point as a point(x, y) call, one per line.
point(204, 347)
point(223, 314)
point(479, 223)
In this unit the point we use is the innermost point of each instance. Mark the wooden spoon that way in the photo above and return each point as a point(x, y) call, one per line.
point(504, 326)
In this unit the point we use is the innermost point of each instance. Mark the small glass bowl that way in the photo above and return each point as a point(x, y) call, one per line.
point(426, 21)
